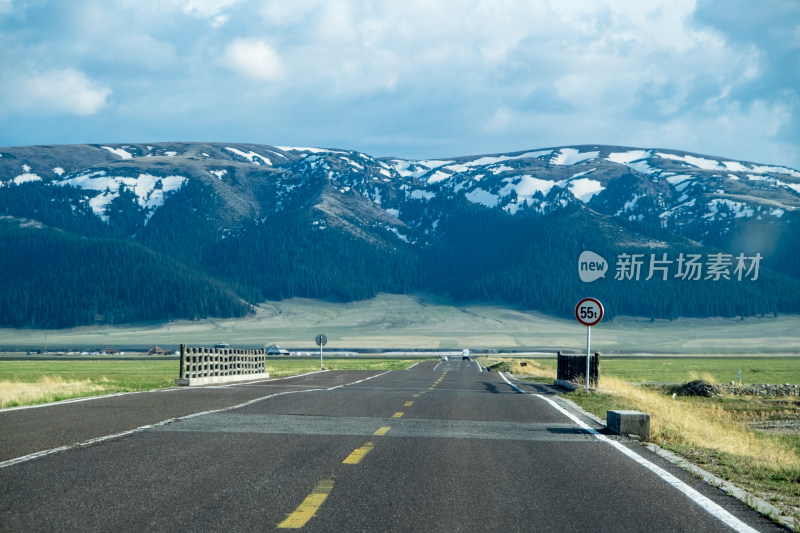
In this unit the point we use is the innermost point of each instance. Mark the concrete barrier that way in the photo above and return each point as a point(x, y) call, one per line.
point(629, 423)
point(205, 366)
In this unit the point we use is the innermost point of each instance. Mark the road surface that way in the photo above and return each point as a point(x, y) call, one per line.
point(439, 447)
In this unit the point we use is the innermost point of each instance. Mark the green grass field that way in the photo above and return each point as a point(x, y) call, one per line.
point(774, 370)
point(125, 376)
point(43, 381)
point(429, 322)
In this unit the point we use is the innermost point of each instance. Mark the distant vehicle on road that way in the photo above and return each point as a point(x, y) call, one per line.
point(444, 358)
point(465, 355)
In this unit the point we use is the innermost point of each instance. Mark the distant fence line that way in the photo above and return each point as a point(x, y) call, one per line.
point(202, 366)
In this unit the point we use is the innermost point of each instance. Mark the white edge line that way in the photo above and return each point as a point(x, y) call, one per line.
point(707, 505)
point(36, 455)
point(742, 495)
point(502, 375)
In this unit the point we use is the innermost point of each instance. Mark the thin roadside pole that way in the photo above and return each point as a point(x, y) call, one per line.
point(588, 343)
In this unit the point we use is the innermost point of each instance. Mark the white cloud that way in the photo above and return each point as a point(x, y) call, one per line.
point(66, 91)
point(254, 59)
point(210, 9)
point(420, 78)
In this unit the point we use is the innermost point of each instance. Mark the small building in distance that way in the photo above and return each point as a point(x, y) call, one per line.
point(274, 349)
point(157, 350)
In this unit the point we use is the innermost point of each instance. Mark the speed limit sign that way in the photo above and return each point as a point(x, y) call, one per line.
point(589, 311)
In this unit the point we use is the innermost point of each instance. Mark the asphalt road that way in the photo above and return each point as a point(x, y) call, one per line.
point(439, 447)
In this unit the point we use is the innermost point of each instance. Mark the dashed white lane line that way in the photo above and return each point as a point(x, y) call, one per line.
point(43, 453)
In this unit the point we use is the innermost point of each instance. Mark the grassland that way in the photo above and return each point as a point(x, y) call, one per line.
point(428, 322)
point(720, 370)
point(43, 381)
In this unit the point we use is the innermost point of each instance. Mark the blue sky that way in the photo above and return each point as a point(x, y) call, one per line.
point(410, 78)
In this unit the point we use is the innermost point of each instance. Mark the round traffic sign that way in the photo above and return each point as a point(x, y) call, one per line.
point(589, 311)
point(322, 340)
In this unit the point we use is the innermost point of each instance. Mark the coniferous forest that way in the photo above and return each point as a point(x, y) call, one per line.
point(194, 257)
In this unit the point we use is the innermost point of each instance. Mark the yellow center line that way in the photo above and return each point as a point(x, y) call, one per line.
point(408, 404)
point(306, 510)
point(382, 431)
point(417, 395)
point(355, 457)
point(397, 415)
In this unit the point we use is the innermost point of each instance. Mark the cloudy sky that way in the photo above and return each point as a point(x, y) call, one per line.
point(408, 78)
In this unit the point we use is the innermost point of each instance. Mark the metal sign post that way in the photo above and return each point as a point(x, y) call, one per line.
point(321, 340)
point(589, 312)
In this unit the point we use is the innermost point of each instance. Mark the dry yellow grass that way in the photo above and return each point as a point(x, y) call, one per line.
point(515, 366)
point(47, 389)
point(532, 368)
point(679, 421)
point(708, 377)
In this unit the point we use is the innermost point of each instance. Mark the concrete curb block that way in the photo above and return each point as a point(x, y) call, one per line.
point(217, 380)
point(742, 495)
point(564, 384)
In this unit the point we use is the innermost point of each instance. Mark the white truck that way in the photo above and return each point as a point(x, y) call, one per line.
point(465, 355)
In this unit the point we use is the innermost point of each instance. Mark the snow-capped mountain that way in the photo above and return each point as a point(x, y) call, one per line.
point(676, 190)
point(189, 200)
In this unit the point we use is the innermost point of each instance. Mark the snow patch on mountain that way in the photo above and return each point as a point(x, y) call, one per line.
point(625, 158)
point(697, 162)
point(584, 188)
point(253, 157)
point(730, 166)
point(794, 186)
point(438, 176)
point(759, 169)
point(149, 190)
point(488, 161)
point(480, 196)
point(309, 150)
point(572, 156)
point(678, 179)
point(718, 207)
point(422, 195)
point(27, 176)
point(121, 152)
point(417, 168)
point(526, 187)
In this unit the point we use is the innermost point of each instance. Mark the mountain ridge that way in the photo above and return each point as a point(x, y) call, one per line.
point(458, 225)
